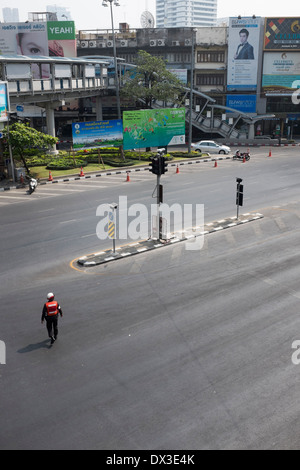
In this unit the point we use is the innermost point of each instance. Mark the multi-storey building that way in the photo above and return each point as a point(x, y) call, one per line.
point(185, 13)
point(10, 15)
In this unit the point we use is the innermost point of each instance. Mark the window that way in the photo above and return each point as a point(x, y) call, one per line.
point(210, 56)
point(210, 79)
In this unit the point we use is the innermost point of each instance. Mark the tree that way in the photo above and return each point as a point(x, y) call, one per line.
point(22, 137)
point(151, 81)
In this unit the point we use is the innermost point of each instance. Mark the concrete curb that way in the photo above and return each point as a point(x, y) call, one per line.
point(132, 249)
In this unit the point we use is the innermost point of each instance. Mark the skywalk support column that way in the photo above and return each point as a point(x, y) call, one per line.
point(51, 124)
point(251, 133)
point(99, 110)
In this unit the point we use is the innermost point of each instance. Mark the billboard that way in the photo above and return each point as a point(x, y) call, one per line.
point(243, 103)
point(282, 34)
point(4, 102)
point(280, 71)
point(97, 134)
point(23, 38)
point(61, 38)
point(54, 38)
point(181, 74)
point(243, 48)
point(153, 127)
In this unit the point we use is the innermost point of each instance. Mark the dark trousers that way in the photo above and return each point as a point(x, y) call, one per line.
point(52, 326)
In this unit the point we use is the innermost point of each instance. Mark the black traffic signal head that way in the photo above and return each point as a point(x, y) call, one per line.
point(155, 166)
point(164, 165)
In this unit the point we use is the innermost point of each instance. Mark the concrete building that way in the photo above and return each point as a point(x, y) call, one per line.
point(175, 46)
point(10, 15)
point(62, 13)
point(185, 13)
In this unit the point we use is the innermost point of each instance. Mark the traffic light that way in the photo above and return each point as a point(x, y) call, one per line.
point(155, 166)
point(158, 165)
point(239, 192)
point(164, 165)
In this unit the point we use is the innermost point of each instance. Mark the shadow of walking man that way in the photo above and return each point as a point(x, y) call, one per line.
point(34, 347)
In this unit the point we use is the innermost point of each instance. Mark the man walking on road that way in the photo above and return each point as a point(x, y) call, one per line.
point(51, 310)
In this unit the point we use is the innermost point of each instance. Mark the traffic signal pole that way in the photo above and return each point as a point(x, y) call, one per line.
point(158, 166)
point(158, 208)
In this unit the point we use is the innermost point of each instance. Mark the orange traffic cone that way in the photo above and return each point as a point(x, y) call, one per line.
point(81, 172)
point(244, 159)
point(50, 177)
point(215, 164)
point(177, 169)
point(21, 178)
point(270, 153)
point(128, 178)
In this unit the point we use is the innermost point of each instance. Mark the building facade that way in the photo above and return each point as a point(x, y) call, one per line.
point(185, 13)
point(10, 15)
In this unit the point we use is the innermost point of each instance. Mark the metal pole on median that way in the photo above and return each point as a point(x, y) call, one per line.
point(112, 225)
point(158, 207)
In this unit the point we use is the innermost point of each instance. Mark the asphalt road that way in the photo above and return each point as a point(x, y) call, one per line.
point(172, 349)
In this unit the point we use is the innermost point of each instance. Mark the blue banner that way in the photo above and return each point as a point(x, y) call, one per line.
point(96, 134)
point(243, 103)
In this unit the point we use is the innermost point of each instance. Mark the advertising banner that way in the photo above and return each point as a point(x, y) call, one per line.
point(27, 39)
point(97, 134)
point(4, 102)
point(181, 74)
point(153, 127)
point(282, 34)
point(52, 38)
point(62, 38)
point(280, 71)
point(243, 47)
point(243, 103)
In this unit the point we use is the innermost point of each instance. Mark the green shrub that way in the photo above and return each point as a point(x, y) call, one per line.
point(39, 160)
point(65, 164)
point(118, 163)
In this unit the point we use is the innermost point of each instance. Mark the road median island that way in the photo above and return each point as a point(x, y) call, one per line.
point(131, 169)
point(144, 246)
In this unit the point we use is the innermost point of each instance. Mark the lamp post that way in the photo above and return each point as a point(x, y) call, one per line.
point(191, 93)
point(117, 4)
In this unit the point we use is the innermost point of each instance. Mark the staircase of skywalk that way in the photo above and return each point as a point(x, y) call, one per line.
point(208, 122)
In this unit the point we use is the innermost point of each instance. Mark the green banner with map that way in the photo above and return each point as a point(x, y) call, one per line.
point(153, 127)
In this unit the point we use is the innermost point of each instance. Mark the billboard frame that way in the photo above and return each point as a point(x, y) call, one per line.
point(6, 103)
point(282, 49)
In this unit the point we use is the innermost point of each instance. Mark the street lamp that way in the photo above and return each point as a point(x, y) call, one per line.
point(117, 4)
point(191, 92)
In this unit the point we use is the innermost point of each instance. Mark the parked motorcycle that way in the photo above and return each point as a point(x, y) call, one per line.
point(241, 155)
point(32, 185)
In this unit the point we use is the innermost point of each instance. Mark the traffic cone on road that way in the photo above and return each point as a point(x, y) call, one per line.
point(177, 169)
point(50, 177)
point(270, 153)
point(22, 179)
point(128, 178)
point(81, 172)
point(216, 164)
point(244, 159)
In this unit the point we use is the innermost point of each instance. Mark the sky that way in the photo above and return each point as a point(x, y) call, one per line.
point(92, 15)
